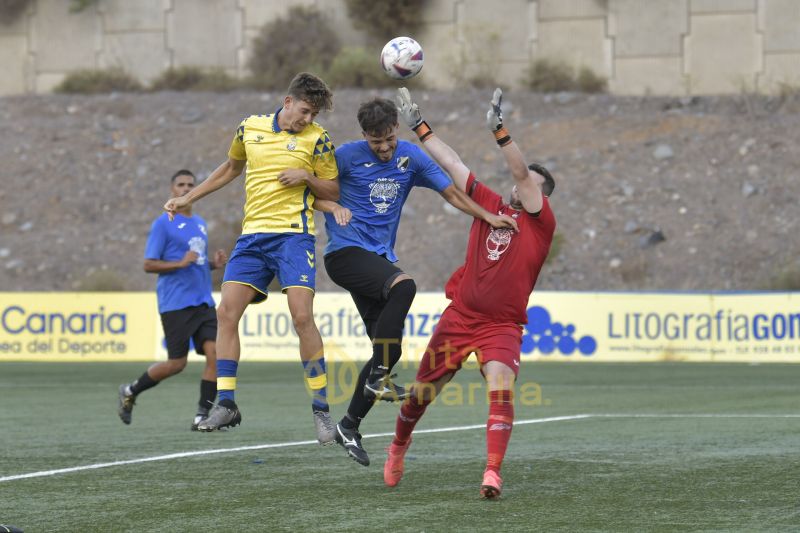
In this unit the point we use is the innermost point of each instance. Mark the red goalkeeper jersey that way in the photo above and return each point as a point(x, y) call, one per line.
point(501, 266)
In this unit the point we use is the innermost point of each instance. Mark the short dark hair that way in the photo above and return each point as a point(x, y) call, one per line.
point(182, 172)
point(311, 89)
point(377, 116)
point(549, 183)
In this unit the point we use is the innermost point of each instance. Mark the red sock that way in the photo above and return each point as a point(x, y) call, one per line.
point(498, 427)
point(410, 413)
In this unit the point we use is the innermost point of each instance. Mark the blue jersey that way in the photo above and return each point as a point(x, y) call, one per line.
point(169, 241)
point(375, 193)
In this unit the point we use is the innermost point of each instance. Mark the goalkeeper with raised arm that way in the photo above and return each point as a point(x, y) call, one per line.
point(489, 293)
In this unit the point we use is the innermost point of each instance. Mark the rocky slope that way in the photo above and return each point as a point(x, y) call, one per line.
point(652, 193)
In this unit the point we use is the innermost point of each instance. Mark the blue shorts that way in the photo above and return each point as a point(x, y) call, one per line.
point(258, 257)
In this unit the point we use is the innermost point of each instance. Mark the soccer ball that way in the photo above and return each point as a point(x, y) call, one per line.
point(401, 58)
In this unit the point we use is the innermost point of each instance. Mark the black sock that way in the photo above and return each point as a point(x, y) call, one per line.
point(208, 392)
point(143, 383)
point(359, 404)
point(350, 422)
point(387, 347)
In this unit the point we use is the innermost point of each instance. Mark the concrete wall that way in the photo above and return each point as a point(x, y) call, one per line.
point(676, 47)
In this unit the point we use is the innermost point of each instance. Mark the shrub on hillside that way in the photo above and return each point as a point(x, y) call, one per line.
point(301, 42)
point(356, 67)
point(194, 79)
point(384, 20)
point(11, 10)
point(91, 81)
point(548, 76)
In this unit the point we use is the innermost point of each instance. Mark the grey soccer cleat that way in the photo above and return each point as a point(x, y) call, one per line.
point(222, 415)
point(126, 402)
point(326, 430)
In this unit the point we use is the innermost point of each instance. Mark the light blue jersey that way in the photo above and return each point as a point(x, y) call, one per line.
point(375, 193)
point(169, 241)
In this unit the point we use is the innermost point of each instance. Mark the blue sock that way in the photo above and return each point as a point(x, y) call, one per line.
point(226, 379)
point(317, 382)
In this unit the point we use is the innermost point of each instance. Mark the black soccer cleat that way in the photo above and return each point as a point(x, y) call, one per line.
point(9, 529)
point(381, 387)
point(350, 440)
point(224, 414)
point(126, 402)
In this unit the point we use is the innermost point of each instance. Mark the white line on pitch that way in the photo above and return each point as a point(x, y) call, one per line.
point(694, 415)
point(181, 455)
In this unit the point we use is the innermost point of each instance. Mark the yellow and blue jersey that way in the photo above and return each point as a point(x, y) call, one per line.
point(269, 206)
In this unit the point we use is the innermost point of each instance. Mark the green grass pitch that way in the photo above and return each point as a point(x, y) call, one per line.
point(688, 447)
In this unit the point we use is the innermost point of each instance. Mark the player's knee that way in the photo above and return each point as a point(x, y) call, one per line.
point(177, 365)
point(404, 290)
point(302, 320)
point(226, 317)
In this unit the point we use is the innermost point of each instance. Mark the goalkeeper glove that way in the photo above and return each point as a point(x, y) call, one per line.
point(494, 119)
point(409, 112)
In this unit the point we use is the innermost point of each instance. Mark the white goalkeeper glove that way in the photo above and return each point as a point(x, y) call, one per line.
point(494, 119)
point(408, 110)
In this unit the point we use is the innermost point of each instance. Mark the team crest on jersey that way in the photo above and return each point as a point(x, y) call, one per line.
point(497, 242)
point(383, 193)
point(402, 163)
point(292, 143)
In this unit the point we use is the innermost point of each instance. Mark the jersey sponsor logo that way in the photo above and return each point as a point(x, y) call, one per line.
point(382, 193)
point(259, 138)
point(310, 259)
point(367, 165)
point(292, 144)
point(402, 163)
point(181, 225)
point(198, 246)
point(498, 242)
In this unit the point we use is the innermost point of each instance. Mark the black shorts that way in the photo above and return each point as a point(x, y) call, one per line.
point(367, 276)
point(196, 323)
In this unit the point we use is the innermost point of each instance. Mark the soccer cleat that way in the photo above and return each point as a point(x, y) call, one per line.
point(201, 415)
point(381, 387)
point(126, 402)
point(222, 415)
point(326, 431)
point(350, 439)
point(395, 463)
point(491, 486)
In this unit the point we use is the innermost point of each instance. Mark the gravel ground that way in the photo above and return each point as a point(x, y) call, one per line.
point(652, 193)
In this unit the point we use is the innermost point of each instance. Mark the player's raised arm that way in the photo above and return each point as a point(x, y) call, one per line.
point(528, 182)
point(445, 156)
point(224, 174)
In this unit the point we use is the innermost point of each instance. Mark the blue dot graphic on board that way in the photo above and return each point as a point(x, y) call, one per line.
point(546, 336)
point(587, 345)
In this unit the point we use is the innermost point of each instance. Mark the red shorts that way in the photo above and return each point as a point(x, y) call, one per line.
point(457, 336)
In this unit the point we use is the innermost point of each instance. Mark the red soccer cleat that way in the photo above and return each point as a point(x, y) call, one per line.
point(491, 486)
point(394, 465)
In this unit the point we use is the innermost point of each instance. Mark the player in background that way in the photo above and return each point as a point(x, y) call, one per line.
point(489, 293)
point(290, 162)
point(177, 251)
point(376, 175)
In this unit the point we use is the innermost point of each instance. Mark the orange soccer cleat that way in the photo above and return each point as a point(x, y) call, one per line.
point(491, 486)
point(394, 465)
